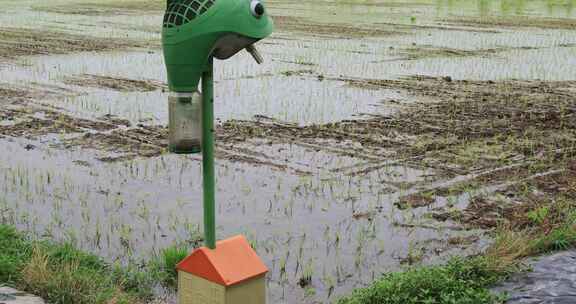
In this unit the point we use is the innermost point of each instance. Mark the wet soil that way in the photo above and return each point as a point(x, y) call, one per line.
point(458, 116)
point(104, 8)
point(439, 26)
point(115, 83)
point(22, 116)
point(424, 52)
point(17, 42)
point(511, 205)
point(284, 23)
point(416, 200)
point(35, 122)
point(513, 22)
point(463, 127)
point(340, 30)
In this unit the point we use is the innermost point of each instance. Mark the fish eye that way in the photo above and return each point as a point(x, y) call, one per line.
point(257, 8)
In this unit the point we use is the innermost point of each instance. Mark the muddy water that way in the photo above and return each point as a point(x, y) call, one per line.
point(306, 208)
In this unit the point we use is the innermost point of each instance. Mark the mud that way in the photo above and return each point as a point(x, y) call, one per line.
point(104, 8)
point(424, 52)
point(489, 179)
point(455, 114)
point(513, 22)
point(32, 123)
point(21, 116)
point(540, 114)
point(145, 142)
point(459, 119)
point(18, 94)
point(17, 42)
point(510, 206)
point(115, 83)
point(483, 213)
point(433, 26)
point(340, 30)
point(414, 201)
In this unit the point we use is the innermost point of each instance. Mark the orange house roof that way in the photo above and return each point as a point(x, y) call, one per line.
point(232, 262)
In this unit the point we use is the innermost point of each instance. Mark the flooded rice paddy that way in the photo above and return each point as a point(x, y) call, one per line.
point(358, 148)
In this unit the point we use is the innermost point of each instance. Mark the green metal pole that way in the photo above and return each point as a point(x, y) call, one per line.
point(208, 156)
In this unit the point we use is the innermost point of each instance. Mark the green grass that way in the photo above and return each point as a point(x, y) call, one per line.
point(14, 252)
point(164, 266)
point(62, 274)
point(459, 281)
point(467, 280)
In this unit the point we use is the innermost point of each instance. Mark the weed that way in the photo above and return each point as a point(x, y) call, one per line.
point(163, 266)
point(306, 278)
point(532, 228)
point(62, 274)
point(558, 239)
point(459, 281)
point(538, 216)
point(309, 291)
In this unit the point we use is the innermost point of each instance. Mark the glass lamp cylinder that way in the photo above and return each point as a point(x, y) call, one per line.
point(185, 122)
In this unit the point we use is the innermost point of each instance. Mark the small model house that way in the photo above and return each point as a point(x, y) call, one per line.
point(230, 274)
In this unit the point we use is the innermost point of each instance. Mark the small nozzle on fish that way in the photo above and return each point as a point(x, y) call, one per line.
point(255, 54)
